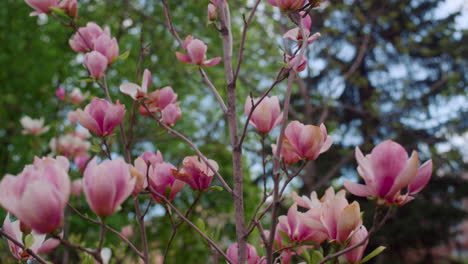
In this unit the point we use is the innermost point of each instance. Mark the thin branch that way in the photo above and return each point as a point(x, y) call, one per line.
point(19, 244)
point(213, 90)
point(192, 225)
point(108, 228)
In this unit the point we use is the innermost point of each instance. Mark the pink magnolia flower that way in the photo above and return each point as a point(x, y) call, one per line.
point(69, 145)
point(70, 7)
point(304, 142)
point(96, 63)
point(33, 126)
point(152, 158)
point(127, 231)
point(39, 246)
point(196, 173)
point(338, 216)
point(41, 6)
point(143, 167)
point(77, 97)
point(171, 113)
point(266, 116)
point(287, 5)
point(302, 227)
point(38, 195)
point(158, 100)
point(60, 93)
point(83, 40)
point(212, 12)
point(296, 65)
point(77, 187)
point(162, 180)
point(387, 170)
point(81, 161)
point(306, 21)
point(196, 51)
point(100, 116)
point(252, 255)
point(355, 255)
point(296, 35)
point(107, 47)
point(134, 90)
point(107, 185)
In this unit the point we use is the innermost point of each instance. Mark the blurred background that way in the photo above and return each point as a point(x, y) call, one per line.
point(393, 69)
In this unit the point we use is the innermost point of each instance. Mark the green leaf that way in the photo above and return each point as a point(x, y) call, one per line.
point(215, 188)
point(58, 12)
point(28, 241)
point(315, 257)
point(373, 254)
point(200, 224)
point(122, 56)
point(86, 80)
point(87, 259)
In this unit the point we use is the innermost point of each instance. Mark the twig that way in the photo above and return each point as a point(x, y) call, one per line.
point(19, 244)
point(108, 228)
point(192, 225)
point(213, 90)
point(141, 224)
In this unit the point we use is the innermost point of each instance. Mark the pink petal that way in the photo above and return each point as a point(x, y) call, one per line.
point(145, 83)
point(388, 159)
point(183, 57)
point(196, 49)
point(358, 189)
point(406, 176)
point(130, 89)
point(422, 178)
point(212, 62)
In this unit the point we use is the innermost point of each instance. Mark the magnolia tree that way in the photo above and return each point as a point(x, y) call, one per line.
point(314, 230)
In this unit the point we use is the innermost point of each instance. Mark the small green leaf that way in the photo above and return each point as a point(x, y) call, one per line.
point(215, 188)
point(315, 257)
point(373, 254)
point(58, 12)
point(122, 56)
point(86, 80)
point(200, 224)
point(95, 148)
point(28, 241)
point(87, 259)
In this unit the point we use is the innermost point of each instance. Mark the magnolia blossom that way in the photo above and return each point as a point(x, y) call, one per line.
point(295, 34)
point(355, 255)
point(41, 6)
point(339, 218)
point(96, 63)
point(162, 181)
point(101, 116)
point(266, 116)
point(81, 161)
point(143, 167)
point(158, 100)
point(212, 12)
point(70, 145)
point(287, 5)
point(387, 170)
point(77, 97)
point(83, 40)
point(70, 7)
point(196, 53)
point(39, 246)
point(304, 142)
point(33, 126)
point(60, 93)
point(38, 195)
point(298, 65)
point(134, 90)
point(107, 185)
point(252, 255)
point(302, 227)
point(171, 114)
point(151, 157)
point(196, 173)
point(107, 47)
